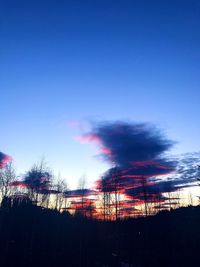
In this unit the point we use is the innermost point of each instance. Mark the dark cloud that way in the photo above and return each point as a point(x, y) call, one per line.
point(80, 193)
point(143, 170)
point(4, 160)
point(185, 176)
point(153, 192)
point(138, 151)
point(127, 144)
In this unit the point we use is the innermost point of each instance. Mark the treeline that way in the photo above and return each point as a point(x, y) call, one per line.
point(35, 236)
point(37, 185)
point(107, 201)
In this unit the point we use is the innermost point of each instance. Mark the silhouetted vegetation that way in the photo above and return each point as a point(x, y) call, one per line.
point(36, 236)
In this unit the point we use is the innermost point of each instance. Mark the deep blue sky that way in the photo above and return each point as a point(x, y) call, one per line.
point(63, 61)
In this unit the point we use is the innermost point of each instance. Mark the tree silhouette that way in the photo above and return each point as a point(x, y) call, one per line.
point(7, 176)
point(38, 181)
point(61, 188)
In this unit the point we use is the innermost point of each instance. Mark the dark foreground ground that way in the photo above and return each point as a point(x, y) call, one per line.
point(31, 236)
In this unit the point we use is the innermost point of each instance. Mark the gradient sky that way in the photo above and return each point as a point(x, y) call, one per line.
point(63, 62)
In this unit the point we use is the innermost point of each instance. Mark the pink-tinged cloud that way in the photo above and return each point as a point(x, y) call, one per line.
point(4, 160)
point(151, 163)
point(18, 183)
point(88, 138)
point(106, 151)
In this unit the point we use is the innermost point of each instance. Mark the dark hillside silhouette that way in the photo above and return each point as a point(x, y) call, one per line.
point(35, 236)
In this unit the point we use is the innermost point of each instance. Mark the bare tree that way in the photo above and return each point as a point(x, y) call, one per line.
point(190, 198)
point(105, 188)
point(115, 173)
point(82, 188)
point(145, 195)
point(60, 189)
point(109, 186)
point(38, 181)
point(7, 176)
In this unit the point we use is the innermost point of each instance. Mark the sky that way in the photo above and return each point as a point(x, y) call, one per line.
point(67, 64)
